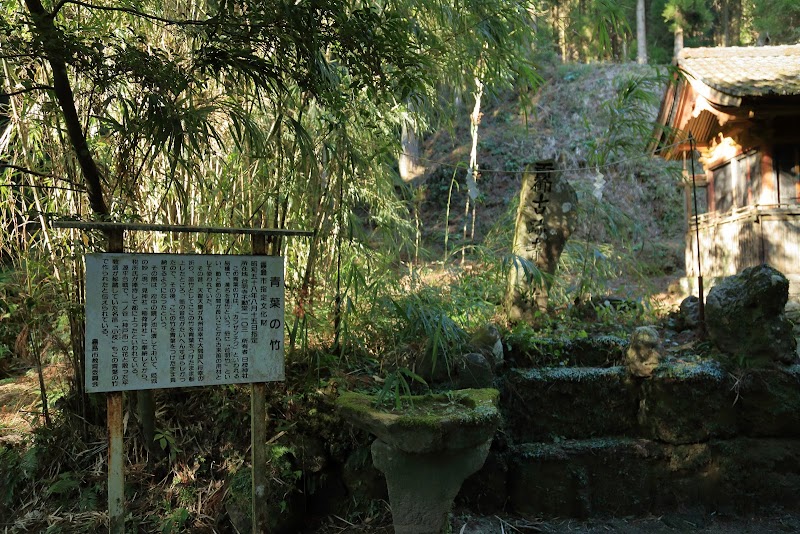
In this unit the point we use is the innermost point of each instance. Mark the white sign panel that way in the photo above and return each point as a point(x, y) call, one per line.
point(163, 320)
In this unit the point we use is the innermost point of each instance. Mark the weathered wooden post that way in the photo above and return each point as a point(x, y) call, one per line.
point(258, 432)
point(116, 448)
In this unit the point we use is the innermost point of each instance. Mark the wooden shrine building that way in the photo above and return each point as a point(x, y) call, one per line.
point(741, 106)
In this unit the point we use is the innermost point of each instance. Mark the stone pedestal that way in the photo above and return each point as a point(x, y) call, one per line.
point(422, 486)
point(427, 450)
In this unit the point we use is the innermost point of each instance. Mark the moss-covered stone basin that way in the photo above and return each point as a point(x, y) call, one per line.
point(457, 420)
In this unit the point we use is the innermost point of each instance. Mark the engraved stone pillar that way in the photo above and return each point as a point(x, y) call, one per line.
point(546, 217)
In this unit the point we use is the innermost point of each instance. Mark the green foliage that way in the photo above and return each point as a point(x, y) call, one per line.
point(571, 340)
point(17, 470)
point(287, 114)
point(629, 118)
point(777, 19)
point(64, 485)
point(423, 317)
point(397, 388)
point(603, 22)
point(166, 440)
point(689, 15)
point(281, 461)
point(176, 521)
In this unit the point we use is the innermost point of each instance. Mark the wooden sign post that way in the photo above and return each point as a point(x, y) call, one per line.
point(116, 458)
point(258, 432)
point(180, 320)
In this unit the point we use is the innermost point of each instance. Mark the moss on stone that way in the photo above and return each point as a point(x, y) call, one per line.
point(580, 402)
point(572, 374)
point(596, 351)
point(769, 402)
point(565, 449)
point(448, 420)
point(699, 370)
point(687, 402)
point(423, 408)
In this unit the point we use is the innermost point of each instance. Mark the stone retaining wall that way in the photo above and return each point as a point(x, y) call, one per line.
point(579, 442)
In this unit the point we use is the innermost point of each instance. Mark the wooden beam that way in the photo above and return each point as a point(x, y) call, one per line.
point(176, 228)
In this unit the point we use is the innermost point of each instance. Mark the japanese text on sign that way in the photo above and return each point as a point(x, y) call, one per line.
point(161, 320)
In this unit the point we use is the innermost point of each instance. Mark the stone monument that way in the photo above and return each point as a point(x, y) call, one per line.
point(546, 217)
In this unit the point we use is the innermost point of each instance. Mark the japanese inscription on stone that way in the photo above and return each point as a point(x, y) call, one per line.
point(162, 320)
point(546, 217)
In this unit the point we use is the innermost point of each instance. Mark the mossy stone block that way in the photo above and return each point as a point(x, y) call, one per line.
point(757, 474)
point(624, 476)
point(684, 478)
point(583, 478)
point(596, 351)
point(688, 403)
point(570, 402)
point(769, 402)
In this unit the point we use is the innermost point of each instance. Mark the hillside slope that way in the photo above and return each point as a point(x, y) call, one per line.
point(592, 120)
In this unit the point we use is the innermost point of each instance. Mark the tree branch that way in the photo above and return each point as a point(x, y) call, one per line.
point(129, 11)
point(28, 90)
point(25, 170)
point(50, 39)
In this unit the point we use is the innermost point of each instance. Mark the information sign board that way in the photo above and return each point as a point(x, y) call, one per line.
point(165, 320)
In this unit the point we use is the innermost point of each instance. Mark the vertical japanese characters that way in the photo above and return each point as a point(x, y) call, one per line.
point(160, 320)
point(546, 217)
point(540, 196)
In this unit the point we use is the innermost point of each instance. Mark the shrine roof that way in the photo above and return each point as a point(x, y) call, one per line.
point(745, 71)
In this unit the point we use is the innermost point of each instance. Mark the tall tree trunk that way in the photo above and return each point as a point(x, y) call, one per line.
point(726, 23)
point(735, 10)
point(641, 35)
point(562, 34)
point(472, 171)
point(409, 157)
point(50, 38)
point(678, 41)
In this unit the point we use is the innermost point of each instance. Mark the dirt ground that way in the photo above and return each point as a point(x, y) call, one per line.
point(669, 523)
point(21, 401)
point(678, 522)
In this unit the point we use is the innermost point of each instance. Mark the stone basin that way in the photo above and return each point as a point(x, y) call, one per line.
point(462, 419)
point(426, 449)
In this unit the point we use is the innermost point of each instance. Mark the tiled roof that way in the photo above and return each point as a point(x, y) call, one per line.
point(745, 71)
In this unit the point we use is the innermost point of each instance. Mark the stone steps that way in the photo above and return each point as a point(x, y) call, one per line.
point(585, 442)
point(625, 476)
point(681, 403)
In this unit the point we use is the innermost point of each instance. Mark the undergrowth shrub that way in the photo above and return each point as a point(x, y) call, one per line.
point(18, 465)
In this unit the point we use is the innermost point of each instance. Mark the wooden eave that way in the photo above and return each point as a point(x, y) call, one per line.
point(666, 135)
point(712, 95)
point(687, 110)
point(693, 107)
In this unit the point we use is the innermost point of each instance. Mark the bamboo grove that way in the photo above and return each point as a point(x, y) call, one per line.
point(276, 114)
